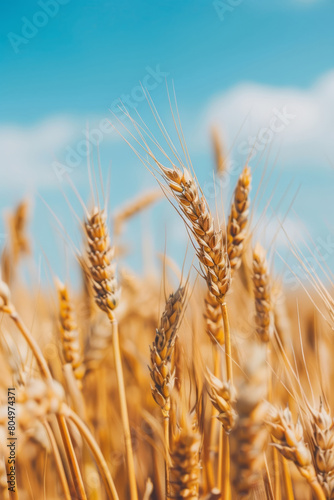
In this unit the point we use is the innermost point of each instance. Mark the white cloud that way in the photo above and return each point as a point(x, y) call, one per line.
point(305, 134)
point(28, 153)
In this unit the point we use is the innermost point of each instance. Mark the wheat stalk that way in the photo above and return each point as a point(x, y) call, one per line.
point(102, 271)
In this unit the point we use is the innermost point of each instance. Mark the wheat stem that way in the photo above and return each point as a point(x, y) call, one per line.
point(228, 351)
point(72, 459)
point(124, 410)
point(225, 489)
point(287, 480)
point(106, 476)
point(277, 483)
point(166, 436)
point(229, 374)
point(213, 427)
point(42, 364)
point(58, 462)
point(221, 470)
point(317, 490)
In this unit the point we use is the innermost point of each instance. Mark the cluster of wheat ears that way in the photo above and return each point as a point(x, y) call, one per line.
point(219, 388)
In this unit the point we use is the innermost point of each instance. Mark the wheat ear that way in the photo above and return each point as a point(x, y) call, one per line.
point(323, 442)
point(185, 470)
point(291, 444)
point(102, 268)
point(103, 275)
point(220, 159)
point(222, 396)
point(134, 207)
point(70, 336)
point(161, 354)
point(262, 291)
point(210, 249)
point(162, 348)
point(214, 319)
point(238, 219)
point(209, 242)
point(265, 320)
point(249, 437)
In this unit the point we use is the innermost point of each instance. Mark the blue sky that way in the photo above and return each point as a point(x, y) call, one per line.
point(250, 57)
point(93, 51)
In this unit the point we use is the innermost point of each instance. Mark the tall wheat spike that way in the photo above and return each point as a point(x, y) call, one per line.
point(222, 396)
point(220, 159)
point(323, 442)
point(250, 434)
point(214, 319)
point(262, 291)
point(70, 336)
point(209, 241)
point(291, 444)
point(102, 271)
point(162, 348)
point(185, 469)
point(18, 225)
point(102, 267)
point(238, 220)
point(160, 370)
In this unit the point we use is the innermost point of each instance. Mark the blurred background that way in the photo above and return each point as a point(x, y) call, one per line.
point(261, 72)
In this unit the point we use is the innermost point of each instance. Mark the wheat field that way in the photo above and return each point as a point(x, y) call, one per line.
point(212, 382)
